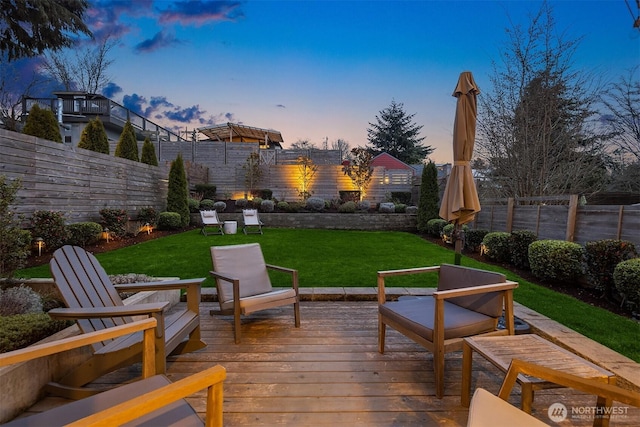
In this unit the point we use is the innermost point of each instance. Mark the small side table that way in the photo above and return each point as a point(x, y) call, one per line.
point(500, 350)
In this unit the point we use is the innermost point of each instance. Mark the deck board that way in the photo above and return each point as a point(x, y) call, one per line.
point(329, 372)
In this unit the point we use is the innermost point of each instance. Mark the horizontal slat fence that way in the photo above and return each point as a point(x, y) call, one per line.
point(571, 221)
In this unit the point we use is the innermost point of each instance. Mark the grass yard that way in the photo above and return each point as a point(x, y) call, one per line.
point(327, 258)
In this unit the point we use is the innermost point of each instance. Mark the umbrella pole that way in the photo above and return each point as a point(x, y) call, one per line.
point(457, 244)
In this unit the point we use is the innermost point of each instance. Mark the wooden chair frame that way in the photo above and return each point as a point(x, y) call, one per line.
point(440, 345)
point(152, 400)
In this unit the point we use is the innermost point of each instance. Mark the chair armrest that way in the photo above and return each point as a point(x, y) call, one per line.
point(591, 386)
point(101, 312)
point(159, 285)
point(382, 298)
point(46, 349)
point(292, 271)
point(210, 379)
point(473, 290)
point(223, 277)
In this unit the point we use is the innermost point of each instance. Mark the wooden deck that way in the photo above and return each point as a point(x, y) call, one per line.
point(329, 372)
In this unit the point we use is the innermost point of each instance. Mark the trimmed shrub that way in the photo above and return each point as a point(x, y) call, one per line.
point(435, 226)
point(602, 256)
point(626, 278)
point(283, 206)
point(208, 191)
point(401, 197)
point(556, 260)
point(473, 239)
point(84, 233)
point(242, 203)
point(178, 196)
point(148, 153)
point(51, 227)
point(400, 208)
point(363, 205)
point(169, 221)
point(256, 202)
point(194, 205)
point(208, 204)
point(267, 206)
point(127, 147)
point(148, 214)
point(447, 230)
point(219, 206)
point(347, 207)
point(429, 197)
point(94, 137)
point(115, 220)
point(496, 246)
point(42, 123)
point(19, 300)
point(315, 204)
point(22, 330)
point(519, 247)
point(387, 207)
point(411, 210)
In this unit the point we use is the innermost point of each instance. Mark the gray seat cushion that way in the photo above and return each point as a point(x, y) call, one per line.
point(418, 315)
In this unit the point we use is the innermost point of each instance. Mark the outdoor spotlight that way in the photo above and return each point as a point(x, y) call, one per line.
point(40, 245)
point(106, 235)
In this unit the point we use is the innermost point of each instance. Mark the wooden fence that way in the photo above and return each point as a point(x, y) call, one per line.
point(566, 219)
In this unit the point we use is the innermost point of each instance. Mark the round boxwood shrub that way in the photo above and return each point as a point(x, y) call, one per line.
point(626, 277)
point(556, 260)
point(519, 247)
point(435, 226)
point(315, 204)
point(602, 256)
point(283, 206)
point(256, 202)
point(194, 205)
point(347, 207)
point(149, 215)
point(363, 205)
point(267, 206)
point(242, 203)
point(473, 239)
point(169, 221)
point(447, 232)
point(208, 204)
point(84, 233)
point(400, 208)
point(387, 207)
point(496, 246)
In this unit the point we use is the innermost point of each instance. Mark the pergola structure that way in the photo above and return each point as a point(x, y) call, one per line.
point(233, 132)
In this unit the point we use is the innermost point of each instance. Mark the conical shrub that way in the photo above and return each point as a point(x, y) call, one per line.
point(94, 137)
point(42, 124)
point(149, 153)
point(127, 147)
point(178, 196)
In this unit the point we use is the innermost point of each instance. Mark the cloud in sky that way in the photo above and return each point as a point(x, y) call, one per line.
point(161, 40)
point(111, 90)
point(200, 12)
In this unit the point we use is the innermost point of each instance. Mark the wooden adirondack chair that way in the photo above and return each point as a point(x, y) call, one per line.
point(152, 401)
point(93, 301)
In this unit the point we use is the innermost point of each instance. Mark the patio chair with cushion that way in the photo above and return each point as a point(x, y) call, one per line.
point(252, 223)
point(466, 302)
point(210, 220)
point(487, 410)
point(243, 283)
point(152, 401)
point(95, 304)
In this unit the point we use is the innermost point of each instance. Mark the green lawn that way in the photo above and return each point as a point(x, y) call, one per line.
point(328, 258)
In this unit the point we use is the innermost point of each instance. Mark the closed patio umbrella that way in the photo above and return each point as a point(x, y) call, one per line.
point(460, 202)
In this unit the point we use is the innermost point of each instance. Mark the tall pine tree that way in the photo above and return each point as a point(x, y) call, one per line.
point(127, 147)
point(178, 196)
point(395, 133)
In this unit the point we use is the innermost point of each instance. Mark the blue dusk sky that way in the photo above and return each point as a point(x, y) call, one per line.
point(317, 70)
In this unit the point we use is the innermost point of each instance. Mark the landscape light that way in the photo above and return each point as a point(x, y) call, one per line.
point(40, 245)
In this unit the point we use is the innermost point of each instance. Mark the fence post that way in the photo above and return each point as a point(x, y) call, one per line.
point(571, 218)
point(510, 207)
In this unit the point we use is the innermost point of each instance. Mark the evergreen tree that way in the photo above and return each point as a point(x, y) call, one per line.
point(149, 153)
point(178, 196)
point(14, 241)
point(429, 196)
point(94, 137)
point(43, 124)
point(396, 134)
point(127, 147)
